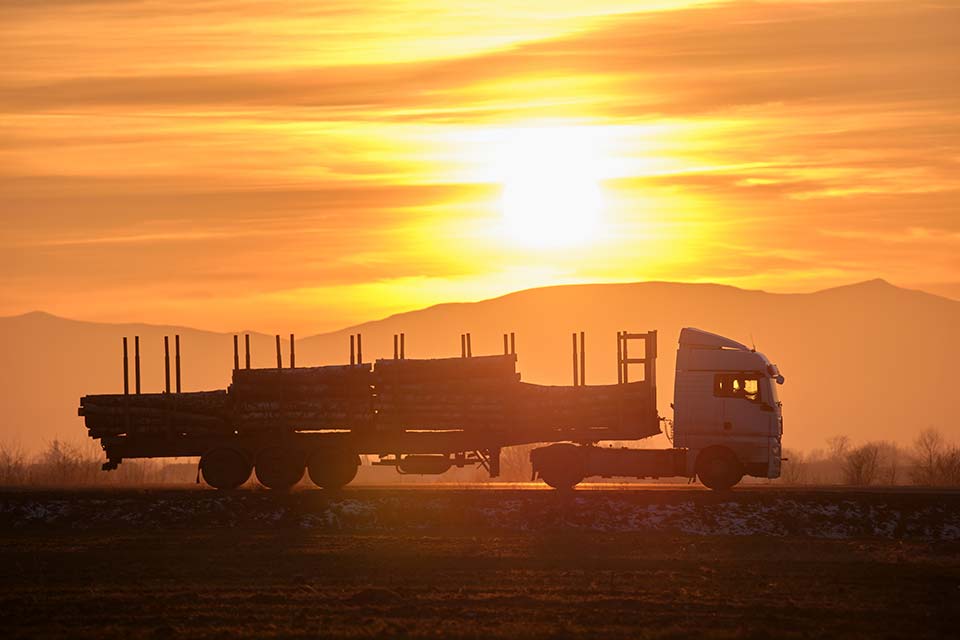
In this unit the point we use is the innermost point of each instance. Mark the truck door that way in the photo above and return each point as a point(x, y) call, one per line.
point(745, 411)
point(698, 413)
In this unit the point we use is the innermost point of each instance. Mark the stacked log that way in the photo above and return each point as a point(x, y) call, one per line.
point(444, 393)
point(331, 397)
point(201, 413)
point(471, 394)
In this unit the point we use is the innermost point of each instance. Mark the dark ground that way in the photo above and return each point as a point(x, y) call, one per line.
point(509, 563)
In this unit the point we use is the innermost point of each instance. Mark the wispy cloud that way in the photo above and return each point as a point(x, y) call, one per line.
point(336, 148)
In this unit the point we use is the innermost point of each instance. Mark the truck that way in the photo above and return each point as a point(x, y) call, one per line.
point(425, 416)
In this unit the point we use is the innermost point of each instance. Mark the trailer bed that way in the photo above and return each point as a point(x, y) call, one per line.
point(393, 406)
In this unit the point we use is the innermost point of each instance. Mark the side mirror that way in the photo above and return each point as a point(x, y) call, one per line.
point(779, 379)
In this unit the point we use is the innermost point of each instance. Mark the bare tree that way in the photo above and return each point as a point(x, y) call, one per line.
point(13, 464)
point(890, 456)
point(796, 469)
point(938, 463)
point(515, 463)
point(838, 446)
point(928, 448)
point(861, 465)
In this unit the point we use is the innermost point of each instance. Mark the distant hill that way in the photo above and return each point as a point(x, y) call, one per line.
point(870, 360)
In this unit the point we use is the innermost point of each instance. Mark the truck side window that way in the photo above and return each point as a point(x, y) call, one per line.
point(736, 385)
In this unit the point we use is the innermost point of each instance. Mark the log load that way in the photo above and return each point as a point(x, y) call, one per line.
point(200, 413)
point(306, 398)
point(444, 393)
point(478, 395)
point(481, 393)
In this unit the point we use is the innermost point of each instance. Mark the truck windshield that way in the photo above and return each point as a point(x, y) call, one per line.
point(770, 391)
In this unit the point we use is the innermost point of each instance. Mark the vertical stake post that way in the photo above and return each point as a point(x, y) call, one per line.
point(403, 354)
point(246, 346)
point(293, 354)
point(513, 343)
point(136, 364)
point(469, 347)
point(236, 352)
point(396, 347)
point(619, 357)
point(626, 369)
point(359, 348)
point(176, 350)
point(166, 363)
point(583, 361)
point(126, 369)
point(575, 360)
point(650, 366)
point(279, 357)
point(463, 345)
point(353, 350)
point(506, 348)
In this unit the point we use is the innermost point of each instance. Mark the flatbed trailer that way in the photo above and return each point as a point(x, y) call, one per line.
point(425, 416)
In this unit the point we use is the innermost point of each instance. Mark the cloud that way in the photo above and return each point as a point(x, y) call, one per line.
point(678, 62)
point(803, 139)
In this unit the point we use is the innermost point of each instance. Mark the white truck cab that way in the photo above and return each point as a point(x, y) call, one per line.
point(726, 409)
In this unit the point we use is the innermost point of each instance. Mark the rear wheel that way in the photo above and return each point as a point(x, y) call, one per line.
point(718, 468)
point(279, 468)
point(333, 469)
point(225, 468)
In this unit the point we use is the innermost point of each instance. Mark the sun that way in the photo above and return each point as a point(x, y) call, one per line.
point(551, 197)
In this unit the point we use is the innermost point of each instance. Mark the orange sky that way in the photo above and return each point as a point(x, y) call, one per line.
point(242, 165)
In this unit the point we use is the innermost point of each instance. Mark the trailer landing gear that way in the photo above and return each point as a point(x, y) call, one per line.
point(332, 469)
point(225, 468)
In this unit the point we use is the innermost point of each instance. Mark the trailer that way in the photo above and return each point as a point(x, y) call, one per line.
point(426, 416)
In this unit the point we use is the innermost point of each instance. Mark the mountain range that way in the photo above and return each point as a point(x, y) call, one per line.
point(870, 360)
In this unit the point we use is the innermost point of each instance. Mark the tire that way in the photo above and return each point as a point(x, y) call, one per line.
point(332, 469)
point(718, 468)
point(560, 466)
point(280, 468)
point(560, 480)
point(225, 468)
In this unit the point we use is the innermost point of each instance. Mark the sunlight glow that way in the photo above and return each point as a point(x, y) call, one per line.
point(551, 187)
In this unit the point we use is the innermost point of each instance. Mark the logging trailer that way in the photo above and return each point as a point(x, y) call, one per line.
point(426, 416)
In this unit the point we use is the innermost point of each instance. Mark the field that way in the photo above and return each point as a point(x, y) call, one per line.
point(509, 562)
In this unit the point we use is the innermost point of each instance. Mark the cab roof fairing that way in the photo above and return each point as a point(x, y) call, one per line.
point(700, 339)
point(693, 338)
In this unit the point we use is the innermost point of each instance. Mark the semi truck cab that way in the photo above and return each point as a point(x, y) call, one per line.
point(726, 410)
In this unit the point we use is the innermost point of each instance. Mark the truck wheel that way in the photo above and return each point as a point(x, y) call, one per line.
point(718, 468)
point(560, 466)
point(279, 468)
point(333, 470)
point(225, 468)
point(560, 479)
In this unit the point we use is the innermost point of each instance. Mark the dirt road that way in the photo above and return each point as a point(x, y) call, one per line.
point(507, 563)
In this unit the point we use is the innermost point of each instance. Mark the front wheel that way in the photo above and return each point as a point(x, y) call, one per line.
point(333, 470)
point(718, 468)
point(560, 479)
point(559, 465)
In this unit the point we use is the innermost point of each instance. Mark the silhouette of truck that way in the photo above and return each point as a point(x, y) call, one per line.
point(426, 416)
